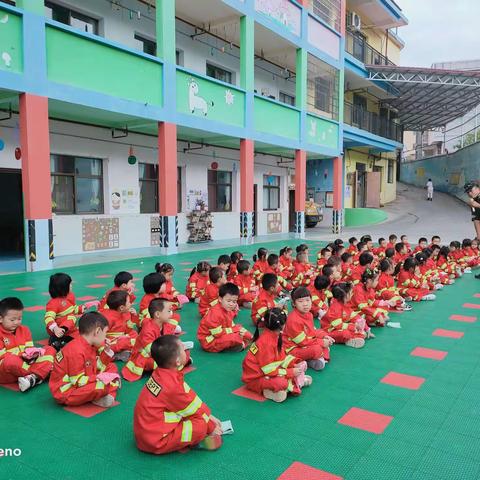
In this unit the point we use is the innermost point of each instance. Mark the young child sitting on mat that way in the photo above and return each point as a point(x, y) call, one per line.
point(197, 282)
point(266, 298)
point(217, 278)
point(246, 284)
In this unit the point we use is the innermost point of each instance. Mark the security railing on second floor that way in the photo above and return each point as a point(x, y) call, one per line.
point(359, 48)
point(371, 122)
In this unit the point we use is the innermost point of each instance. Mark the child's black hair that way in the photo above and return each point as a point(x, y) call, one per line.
point(116, 299)
point(122, 278)
point(345, 256)
point(410, 263)
point(402, 237)
point(385, 264)
point(365, 258)
point(380, 240)
point(201, 267)
point(435, 237)
point(323, 251)
point(269, 280)
point(337, 249)
point(366, 238)
point(360, 245)
point(392, 238)
point(285, 250)
point(444, 252)
point(422, 239)
point(224, 259)
point(453, 243)
point(341, 290)
point(421, 258)
point(243, 266)
point(165, 350)
point(157, 305)
point(272, 259)
point(10, 303)
point(261, 255)
point(338, 242)
point(164, 268)
point(327, 270)
point(334, 261)
point(435, 247)
point(228, 288)
point(466, 243)
point(274, 320)
point(321, 282)
point(352, 240)
point(90, 321)
point(389, 252)
point(236, 256)
point(215, 274)
point(427, 252)
point(399, 247)
point(152, 282)
point(303, 247)
point(300, 292)
point(369, 274)
point(59, 285)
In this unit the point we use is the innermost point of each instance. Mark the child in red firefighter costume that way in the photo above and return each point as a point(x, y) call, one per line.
point(285, 263)
point(83, 371)
point(273, 267)
point(217, 331)
point(303, 271)
point(300, 336)
point(169, 415)
point(321, 295)
point(171, 293)
point(266, 299)
point(197, 282)
point(341, 322)
point(123, 281)
point(20, 361)
point(322, 258)
point(267, 368)
point(248, 290)
point(364, 300)
point(428, 277)
point(386, 289)
point(217, 278)
point(260, 266)
point(365, 261)
point(235, 257)
point(470, 257)
point(159, 322)
point(120, 335)
point(410, 282)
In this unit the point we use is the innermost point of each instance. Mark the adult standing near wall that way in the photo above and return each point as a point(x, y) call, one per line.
point(429, 190)
point(472, 189)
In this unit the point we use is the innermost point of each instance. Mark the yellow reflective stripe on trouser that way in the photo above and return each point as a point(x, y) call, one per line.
point(336, 323)
point(228, 330)
point(209, 339)
point(299, 338)
point(171, 417)
point(288, 360)
point(3, 351)
point(362, 305)
point(282, 372)
point(187, 431)
point(99, 385)
point(266, 369)
point(186, 387)
point(216, 330)
point(134, 369)
point(192, 408)
point(65, 387)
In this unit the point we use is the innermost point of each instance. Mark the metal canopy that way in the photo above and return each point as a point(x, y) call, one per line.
point(428, 98)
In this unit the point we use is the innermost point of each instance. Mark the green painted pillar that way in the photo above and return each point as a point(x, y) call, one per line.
point(247, 53)
point(165, 26)
point(32, 6)
point(301, 79)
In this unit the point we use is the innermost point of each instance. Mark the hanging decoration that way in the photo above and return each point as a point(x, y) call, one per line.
point(214, 165)
point(132, 159)
point(18, 153)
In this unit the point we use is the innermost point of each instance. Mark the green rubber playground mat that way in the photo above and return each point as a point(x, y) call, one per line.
point(434, 431)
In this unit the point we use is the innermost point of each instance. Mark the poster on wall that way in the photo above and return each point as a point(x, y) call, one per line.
point(329, 199)
point(124, 199)
point(274, 223)
point(100, 234)
point(196, 199)
point(155, 231)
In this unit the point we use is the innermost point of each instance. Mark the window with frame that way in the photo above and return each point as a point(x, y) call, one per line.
point(219, 73)
point(219, 191)
point(146, 45)
point(271, 192)
point(148, 180)
point(287, 98)
point(71, 17)
point(391, 171)
point(76, 185)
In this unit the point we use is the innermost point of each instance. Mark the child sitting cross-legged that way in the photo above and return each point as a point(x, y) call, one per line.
point(169, 415)
point(83, 371)
point(197, 282)
point(246, 284)
point(386, 289)
point(217, 331)
point(217, 278)
point(266, 298)
point(267, 368)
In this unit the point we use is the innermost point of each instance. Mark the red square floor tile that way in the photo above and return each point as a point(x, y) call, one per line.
point(103, 276)
point(87, 410)
point(299, 470)
point(428, 353)
point(96, 285)
point(403, 381)
point(245, 393)
point(365, 420)
point(475, 306)
point(477, 295)
point(23, 289)
point(86, 298)
point(440, 332)
point(186, 263)
point(10, 386)
point(35, 308)
point(135, 271)
point(463, 318)
point(186, 269)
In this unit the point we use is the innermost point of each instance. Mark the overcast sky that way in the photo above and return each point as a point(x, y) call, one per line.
point(440, 30)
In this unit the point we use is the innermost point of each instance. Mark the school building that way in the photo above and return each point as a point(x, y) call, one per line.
point(128, 124)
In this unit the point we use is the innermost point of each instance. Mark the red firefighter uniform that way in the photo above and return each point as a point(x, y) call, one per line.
point(447, 266)
point(470, 257)
point(119, 333)
point(321, 262)
point(262, 302)
point(320, 299)
point(379, 252)
point(62, 312)
point(387, 291)
point(145, 303)
point(130, 319)
point(411, 286)
point(169, 415)
point(258, 269)
point(13, 361)
point(232, 272)
point(340, 322)
point(302, 275)
point(171, 293)
point(247, 287)
point(356, 275)
point(266, 368)
point(282, 281)
point(74, 377)
point(196, 285)
point(217, 330)
point(347, 270)
point(364, 301)
point(352, 249)
point(209, 299)
point(444, 277)
point(302, 339)
point(286, 267)
point(141, 360)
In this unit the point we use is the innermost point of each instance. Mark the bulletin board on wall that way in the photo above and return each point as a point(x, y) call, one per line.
point(100, 234)
point(274, 223)
point(155, 231)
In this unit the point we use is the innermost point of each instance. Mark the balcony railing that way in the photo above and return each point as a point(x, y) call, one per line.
point(360, 49)
point(327, 10)
point(371, 122)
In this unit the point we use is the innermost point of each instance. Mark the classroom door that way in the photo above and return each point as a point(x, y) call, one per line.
point(360, 187)
point(373, 190)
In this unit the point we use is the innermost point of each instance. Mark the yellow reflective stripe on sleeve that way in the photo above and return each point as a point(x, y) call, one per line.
point(262, 310)
point(186, 387)
point(171, 417)
point(3, 351)
point(14, 350)
point(209, 339)
point(336, 323)
point(228, 330)
point(65, 387)
point(187, 431)
point(362, 305)
point(25, 366)
point(271, 367)
point(299, 338)
point(216, 330)
point(192, 408)
point(67, 311)
point(99, 385)
point(133, 368)
point(288, 360)
point(146, 351)
point(45, 358)
point(29, 344)
point(206, 417)
point(282, 372)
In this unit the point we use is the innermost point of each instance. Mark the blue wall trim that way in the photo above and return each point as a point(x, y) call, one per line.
point(355, 136)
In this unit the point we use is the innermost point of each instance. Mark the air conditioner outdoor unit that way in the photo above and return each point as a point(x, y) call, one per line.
point(354, 21)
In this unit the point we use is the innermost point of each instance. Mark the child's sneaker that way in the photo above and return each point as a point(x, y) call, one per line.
point(355, 342)
point(307, 381)
point(28, 381)
point(407, 308)
point(104, 402)
point(212, 442)
point(467, 270)
point(438, 286)
point(429, 297)
point(278, 397)
point(408, 299)
point(122, 356)
point(316, 364)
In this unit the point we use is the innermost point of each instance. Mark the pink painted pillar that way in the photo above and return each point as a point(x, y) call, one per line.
point(337, 194)
point(167, 186)
point(300, 191)
point(247, 162)
point(343, 17)
point(37, 196)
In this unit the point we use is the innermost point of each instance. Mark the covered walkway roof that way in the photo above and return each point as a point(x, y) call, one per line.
point(426, 98)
